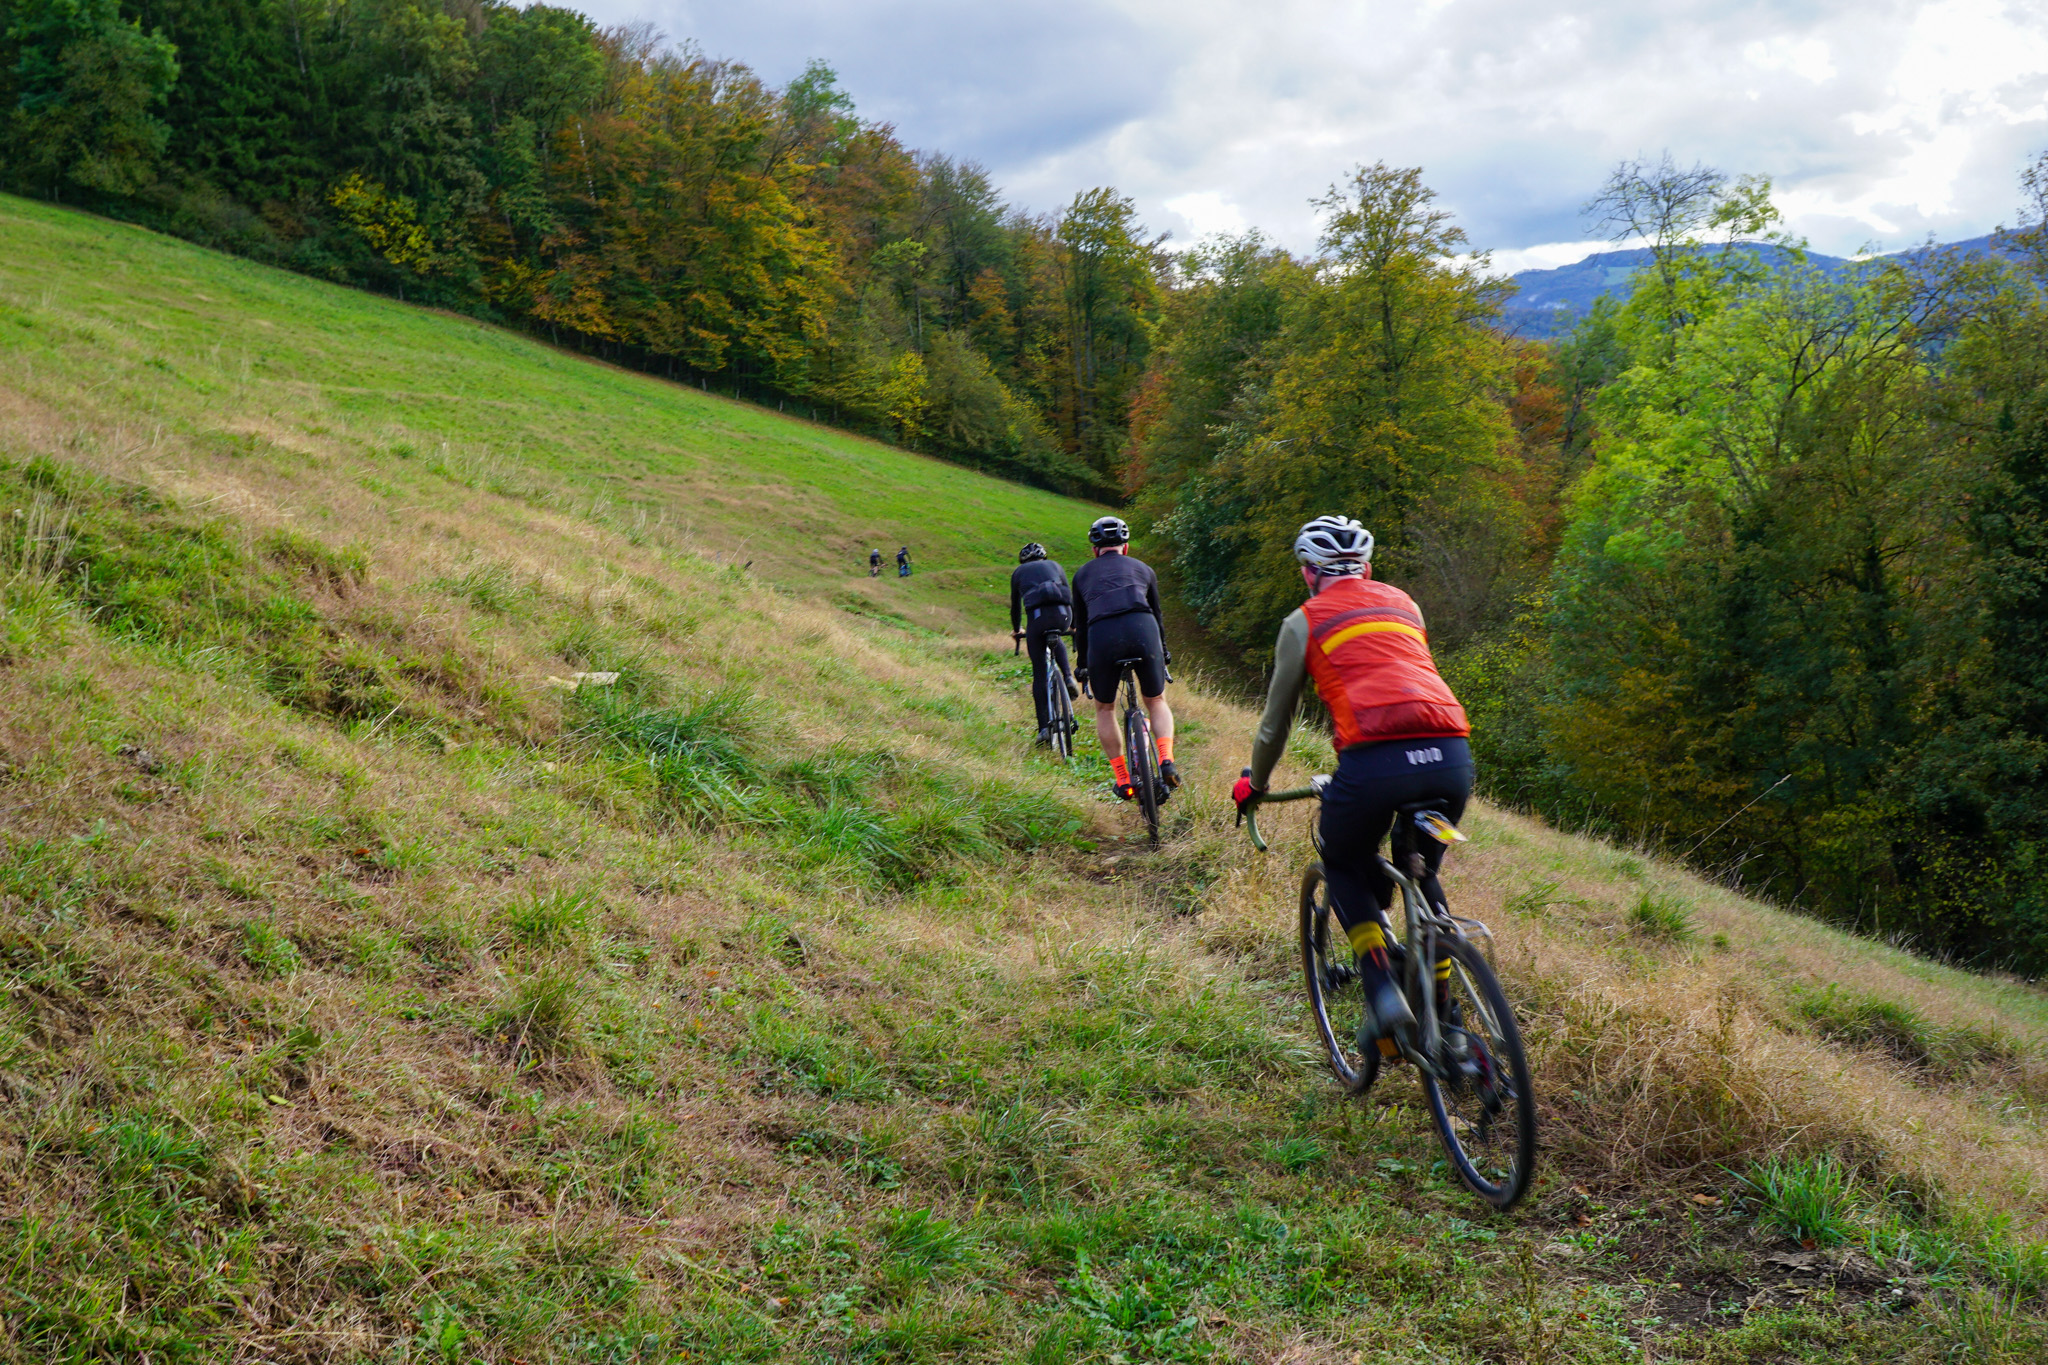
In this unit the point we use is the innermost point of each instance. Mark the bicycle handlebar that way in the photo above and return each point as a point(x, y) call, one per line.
point(1251, 813)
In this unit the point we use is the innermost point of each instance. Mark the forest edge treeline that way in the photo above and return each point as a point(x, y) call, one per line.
point(1752, 566)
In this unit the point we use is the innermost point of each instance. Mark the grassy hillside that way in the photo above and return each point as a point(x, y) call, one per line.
point(247, 361)
point(374, 995)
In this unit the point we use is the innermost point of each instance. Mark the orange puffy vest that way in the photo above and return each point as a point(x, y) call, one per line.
point(1370, 659)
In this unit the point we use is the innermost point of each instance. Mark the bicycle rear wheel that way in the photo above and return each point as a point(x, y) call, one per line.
point(1327, 974)
point(1485, 1112)
point(1060, 708)
point(1140, 759)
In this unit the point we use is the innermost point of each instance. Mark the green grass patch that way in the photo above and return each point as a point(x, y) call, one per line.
point(1861, 1020)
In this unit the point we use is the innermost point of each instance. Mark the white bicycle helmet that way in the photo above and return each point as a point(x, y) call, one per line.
point(1334, 545)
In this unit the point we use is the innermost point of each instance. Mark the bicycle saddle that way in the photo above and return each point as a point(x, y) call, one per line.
point(1428, 816)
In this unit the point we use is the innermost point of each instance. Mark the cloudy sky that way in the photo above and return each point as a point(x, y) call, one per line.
point(1881, 121)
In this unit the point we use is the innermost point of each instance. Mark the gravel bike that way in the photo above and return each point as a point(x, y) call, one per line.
point(1141, 758)
point(1466, 1046)
point(1059, 707)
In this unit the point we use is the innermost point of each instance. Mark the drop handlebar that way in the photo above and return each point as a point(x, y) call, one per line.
point(1250, 815)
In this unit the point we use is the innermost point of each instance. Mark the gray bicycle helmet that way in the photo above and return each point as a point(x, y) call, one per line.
point(1030, 552)
point(1334, 545)
point(1109, 531)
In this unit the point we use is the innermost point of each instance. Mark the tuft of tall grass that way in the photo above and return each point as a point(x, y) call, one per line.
point(1663, 918)
point(1812, 1201)
point(712, 732)
point(698, 753)
point(923, 1243)
point(540, 1015)
point(1012, 1143)
point(551, 918)
point(1298, 1153)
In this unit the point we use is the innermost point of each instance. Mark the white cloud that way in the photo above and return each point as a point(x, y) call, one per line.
point(1548, 256)
point(1206, 213)
point(1880, 120)
point(1807, 57)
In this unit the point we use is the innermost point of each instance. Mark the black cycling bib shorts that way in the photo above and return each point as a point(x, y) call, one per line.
point(1131, 635)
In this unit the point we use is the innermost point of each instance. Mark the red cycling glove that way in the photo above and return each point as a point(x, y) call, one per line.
point(1245, 794)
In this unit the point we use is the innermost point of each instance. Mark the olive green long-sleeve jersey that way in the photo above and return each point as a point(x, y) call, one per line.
point(1283, 695)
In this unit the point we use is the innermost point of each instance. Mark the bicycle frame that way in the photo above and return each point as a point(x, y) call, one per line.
point(1423, 921)
point(1058, 709)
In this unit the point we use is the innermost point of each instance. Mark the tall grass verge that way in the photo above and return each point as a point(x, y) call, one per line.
point(34, 540)
point(1862, 1020)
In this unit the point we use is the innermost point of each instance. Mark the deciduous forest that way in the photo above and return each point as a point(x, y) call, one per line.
point(1752, 567)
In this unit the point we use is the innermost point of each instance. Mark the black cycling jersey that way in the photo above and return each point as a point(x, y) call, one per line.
point(1112, 585)
point(1041, 583)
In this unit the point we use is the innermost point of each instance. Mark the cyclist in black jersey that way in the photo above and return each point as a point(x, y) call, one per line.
point(1117, 617)
point(1041, 606)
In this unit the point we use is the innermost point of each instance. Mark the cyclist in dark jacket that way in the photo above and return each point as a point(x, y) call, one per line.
point(1041, 606)
point(1117, 617)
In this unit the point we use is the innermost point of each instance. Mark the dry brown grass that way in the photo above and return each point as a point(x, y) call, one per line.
point(1661, 1064)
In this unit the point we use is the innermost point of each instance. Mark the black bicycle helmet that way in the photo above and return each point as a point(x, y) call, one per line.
point(1030, 552)
point(1109, 531)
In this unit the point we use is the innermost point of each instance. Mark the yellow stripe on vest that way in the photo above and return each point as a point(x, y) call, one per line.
point(1368, 628)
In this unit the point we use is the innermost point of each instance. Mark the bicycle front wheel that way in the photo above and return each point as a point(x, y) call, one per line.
point(1140, 758)
point(1485, 1108)
point(1327, 972)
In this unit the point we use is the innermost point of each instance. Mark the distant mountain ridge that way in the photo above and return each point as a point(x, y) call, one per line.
point(1551, 302)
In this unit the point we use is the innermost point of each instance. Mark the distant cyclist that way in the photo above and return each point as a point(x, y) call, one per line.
point(875, 562)
point(1116, 617)
point(1041, 606)
point(903, 562)
point(1400, 737)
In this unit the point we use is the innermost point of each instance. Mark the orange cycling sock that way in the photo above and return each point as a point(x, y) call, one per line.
point(1164, 743)
point(1121, 770)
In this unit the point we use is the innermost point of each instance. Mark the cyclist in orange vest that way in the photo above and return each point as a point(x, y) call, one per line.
point(1400, 737)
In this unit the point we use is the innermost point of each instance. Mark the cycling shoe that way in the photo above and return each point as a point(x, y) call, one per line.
point(1386, 1013)
point(1169, 776)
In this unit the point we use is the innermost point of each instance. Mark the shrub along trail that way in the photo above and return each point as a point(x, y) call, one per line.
point(379, 988)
